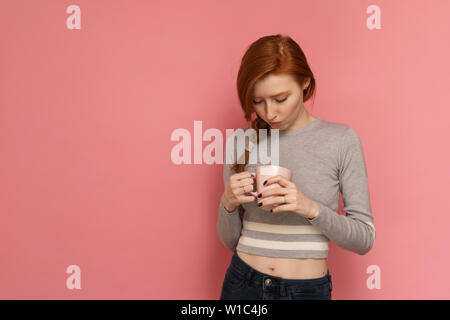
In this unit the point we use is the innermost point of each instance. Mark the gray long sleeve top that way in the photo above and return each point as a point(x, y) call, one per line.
point(326, 159)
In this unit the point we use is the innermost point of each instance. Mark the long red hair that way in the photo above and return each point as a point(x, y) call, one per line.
point(274, 54)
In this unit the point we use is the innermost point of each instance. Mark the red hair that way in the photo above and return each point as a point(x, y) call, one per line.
point(274, 54)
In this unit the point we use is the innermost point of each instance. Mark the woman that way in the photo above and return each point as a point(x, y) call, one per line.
point(281, 247)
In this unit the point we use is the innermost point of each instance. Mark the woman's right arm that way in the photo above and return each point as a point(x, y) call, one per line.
point(229, 224)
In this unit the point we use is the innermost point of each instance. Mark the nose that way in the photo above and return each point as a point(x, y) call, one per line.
point(271, 115)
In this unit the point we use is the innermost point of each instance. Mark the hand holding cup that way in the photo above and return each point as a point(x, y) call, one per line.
point(236, 190)
point(277, 193)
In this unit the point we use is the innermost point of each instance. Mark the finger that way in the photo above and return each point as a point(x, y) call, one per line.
point(274, 191)
point(282, 181)
point(242, 175)
point(245, 199)
point(243, 183)
point(245, 189)
point(283, 208)
point(274, 201)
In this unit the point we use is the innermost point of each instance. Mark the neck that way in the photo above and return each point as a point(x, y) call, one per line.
point(302, 120)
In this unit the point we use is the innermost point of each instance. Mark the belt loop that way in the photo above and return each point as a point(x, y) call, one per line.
point(283, 289)
point(249, 274)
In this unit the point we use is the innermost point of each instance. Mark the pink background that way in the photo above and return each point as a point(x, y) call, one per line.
point(86, 116)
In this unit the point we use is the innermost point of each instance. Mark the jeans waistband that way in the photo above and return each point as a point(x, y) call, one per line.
point(251, 273)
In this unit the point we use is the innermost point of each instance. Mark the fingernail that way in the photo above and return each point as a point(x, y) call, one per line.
point(259, 195)
point(264, 183)
point(260, 204)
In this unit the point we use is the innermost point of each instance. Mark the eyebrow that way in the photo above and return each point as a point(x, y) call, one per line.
point(276, 95)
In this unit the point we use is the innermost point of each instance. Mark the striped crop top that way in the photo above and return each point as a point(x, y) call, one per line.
point(326, 159)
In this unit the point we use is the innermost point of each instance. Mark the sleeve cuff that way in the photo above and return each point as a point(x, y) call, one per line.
point(321, 215)
point(224, 211)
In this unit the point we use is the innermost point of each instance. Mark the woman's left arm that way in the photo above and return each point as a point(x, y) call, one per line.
point(355, 231)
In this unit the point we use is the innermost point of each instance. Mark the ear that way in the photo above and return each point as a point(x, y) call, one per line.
point(306, 84)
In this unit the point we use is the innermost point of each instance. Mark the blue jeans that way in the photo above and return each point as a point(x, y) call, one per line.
point(242, 282)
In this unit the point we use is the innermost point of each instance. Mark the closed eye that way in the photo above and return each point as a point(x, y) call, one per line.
point(279, 101)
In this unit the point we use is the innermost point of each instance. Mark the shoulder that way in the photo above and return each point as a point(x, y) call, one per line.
point(344, 132)
point(342, 138)
point(339, 128)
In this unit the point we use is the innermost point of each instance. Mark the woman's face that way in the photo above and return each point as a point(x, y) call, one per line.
point(278, 98)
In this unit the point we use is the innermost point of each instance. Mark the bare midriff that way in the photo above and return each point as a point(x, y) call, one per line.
point(286, 268)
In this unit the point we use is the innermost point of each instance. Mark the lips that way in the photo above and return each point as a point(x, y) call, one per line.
point(274, 123)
